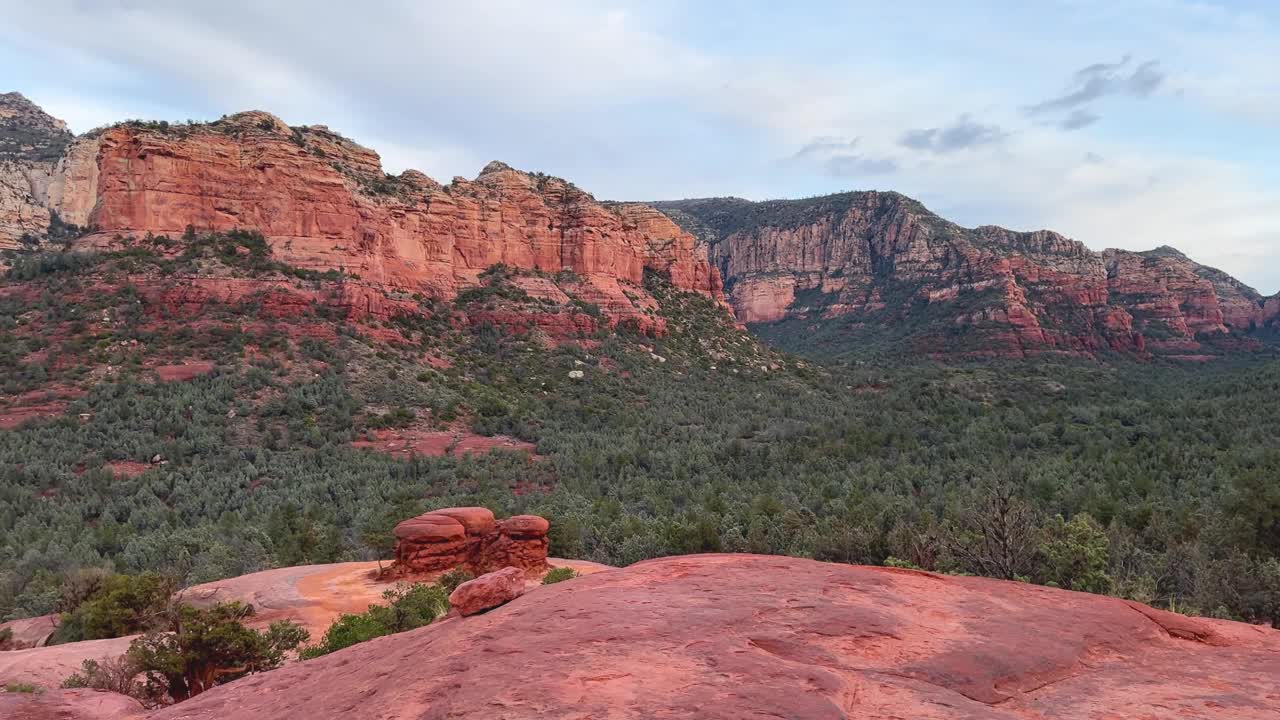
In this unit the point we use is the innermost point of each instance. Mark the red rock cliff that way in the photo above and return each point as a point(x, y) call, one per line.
point(884, 258)
point(324, 203)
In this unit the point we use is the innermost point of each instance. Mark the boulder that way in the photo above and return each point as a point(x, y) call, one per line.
point(27, 632)
point(477, 521)
point(433, 527)
point(526, 527)
point(488, 591)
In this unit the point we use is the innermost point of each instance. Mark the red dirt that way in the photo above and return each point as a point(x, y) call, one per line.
point(11, 418)
point(49, 402)
point(186, 371)
point(126, 468)
point(437, 362)
point(438, 443)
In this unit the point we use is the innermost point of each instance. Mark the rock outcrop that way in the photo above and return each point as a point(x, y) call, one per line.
point(27, 632)
point(882, 259)
point(469, 538)
point(488, 591)
point(32, 144)
point(27, 132)
point(733, 636)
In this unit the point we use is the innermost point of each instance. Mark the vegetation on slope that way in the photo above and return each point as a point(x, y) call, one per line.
point(1156, 483)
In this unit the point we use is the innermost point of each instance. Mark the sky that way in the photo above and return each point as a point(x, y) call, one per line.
point(1120, 123)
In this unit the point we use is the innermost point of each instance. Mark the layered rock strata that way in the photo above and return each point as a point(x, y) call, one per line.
point(883, 258)
point(471, 539)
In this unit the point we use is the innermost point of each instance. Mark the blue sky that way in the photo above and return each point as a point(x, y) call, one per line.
point(1121, 124)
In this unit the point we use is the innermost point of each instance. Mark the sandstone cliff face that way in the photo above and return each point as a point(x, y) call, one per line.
point(882, 258)
point(31, 144)
point(324, 203)
point(21, 214)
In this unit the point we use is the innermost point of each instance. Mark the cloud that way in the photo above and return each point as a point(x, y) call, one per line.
point(823, 147)
point(1101, 79)
point(1078, 119)
point(858, 165)
point(839, 157)
point(963, 134)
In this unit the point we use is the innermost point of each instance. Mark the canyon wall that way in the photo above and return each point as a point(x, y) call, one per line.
point(882, 259)
point(324, 203)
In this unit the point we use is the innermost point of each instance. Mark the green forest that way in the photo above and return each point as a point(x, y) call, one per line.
point(1155, 482)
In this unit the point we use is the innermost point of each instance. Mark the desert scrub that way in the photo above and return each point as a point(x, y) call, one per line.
point(560, 574)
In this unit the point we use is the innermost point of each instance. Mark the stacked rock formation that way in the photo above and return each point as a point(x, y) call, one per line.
point(471, 539)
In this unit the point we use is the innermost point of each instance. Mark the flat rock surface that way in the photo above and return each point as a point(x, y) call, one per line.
point(47, 667)
point(311, 595)
point(69, 705)
point(739, 636)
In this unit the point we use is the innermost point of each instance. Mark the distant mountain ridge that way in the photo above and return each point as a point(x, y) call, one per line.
point(830, 272)
point(827, 273)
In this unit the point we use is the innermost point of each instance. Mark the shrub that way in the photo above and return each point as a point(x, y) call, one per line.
point(408, 607)
point(452, 579)
point(120, 605)
point(81, 585)
point(1073, 555)
point(19, 687)
point(560, 574)
point(119, 674)
point(202, 648)
point(397, 417)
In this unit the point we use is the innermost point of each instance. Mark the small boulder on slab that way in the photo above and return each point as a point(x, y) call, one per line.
point(488, 591)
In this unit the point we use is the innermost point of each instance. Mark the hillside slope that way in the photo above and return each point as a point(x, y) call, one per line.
point(829, 273)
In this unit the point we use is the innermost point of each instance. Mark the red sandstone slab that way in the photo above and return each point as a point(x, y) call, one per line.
point(731, 636)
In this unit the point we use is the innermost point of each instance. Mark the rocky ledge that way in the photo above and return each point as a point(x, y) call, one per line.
point(740, 636)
